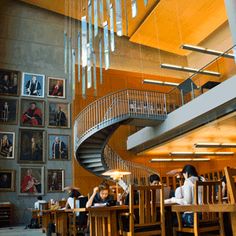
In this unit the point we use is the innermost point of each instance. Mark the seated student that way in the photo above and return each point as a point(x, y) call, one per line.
point(185, 194)
point(38, 202)
point(154, 180)
point(100, 195)
point(73, 200)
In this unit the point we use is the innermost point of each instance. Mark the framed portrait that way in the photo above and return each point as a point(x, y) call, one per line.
point(32, 85)
point(31, 146)
point(56, 87)
point(55, 180)
point(58, 147)
point(31, 180)
point(9, 82)
point(7, 145)
point(8, 111)
point(32, 113)
point(7, 180)
point(59, 115)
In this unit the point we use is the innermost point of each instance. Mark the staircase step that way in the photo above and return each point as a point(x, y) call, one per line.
point(89, 151)
point(92, 160)
point(89, 155)
point(96, 164)
point(98, 169)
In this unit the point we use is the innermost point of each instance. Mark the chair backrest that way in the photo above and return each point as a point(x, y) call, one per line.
point(230, 174)
point(82, 219)
point(43, 206)
point(208, 192)
point(146, 206)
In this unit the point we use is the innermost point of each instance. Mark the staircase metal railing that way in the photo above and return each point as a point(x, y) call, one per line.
point(118, 104)
point(111, 109)
point(140, 173)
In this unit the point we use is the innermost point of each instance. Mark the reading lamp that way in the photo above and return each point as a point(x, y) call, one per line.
point(116, 174)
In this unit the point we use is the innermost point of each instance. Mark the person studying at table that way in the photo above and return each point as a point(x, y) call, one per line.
point(184, 195)
point(100, 196)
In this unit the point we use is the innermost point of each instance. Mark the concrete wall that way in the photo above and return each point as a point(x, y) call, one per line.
point(31, 40)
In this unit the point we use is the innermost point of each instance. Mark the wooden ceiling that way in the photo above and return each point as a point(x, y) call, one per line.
point(164, 24)
point(219, 131)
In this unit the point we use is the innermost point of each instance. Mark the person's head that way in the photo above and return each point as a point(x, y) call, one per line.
point(189, 171)
point(39, 198)
point(5, 138)
point(57, 139)
point(75, 193)
point(32, 105)
point(154, 179)
point(6, 77)
point(58, 82)
point(103, 189)
point(59, 108)
point(54, 175)
point(33, 139)
point(4, 178)
point(34, 79)
point(29, 172)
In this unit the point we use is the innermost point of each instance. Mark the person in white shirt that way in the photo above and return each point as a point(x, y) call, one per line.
point(39, 201)
point(184, 195)
point(73, 200)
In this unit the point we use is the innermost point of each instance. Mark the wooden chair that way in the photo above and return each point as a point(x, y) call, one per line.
point(211, 192)
point(230, 174)
point(146, 217)
point(78, 224)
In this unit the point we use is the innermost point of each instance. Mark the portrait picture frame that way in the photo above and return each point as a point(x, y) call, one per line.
point(31, 180)
point(31, 146)
point(56, 87)
point(58, 147)
point(33, 85)
point(9, 82)
point(58, 115)
point(7, 145)
point(7, 180)
point(55, 180)
point(32, 113)
point(9, 108)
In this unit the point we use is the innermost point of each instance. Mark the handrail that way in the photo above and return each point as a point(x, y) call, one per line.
point(118, 104)
point(139, 171)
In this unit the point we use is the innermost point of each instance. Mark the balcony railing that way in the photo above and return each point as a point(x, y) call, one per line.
point(118, 106)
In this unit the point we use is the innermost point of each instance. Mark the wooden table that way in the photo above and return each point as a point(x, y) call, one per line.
point(103, 220)
point(231, 208)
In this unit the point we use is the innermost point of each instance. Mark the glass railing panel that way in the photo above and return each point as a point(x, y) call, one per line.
point(201, 83)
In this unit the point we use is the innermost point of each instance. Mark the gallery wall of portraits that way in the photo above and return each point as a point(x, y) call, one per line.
point(36, 104)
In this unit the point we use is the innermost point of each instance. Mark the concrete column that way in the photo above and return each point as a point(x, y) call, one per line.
point(230, 6)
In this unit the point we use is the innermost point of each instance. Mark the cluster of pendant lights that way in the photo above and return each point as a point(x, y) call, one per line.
point(88, 31)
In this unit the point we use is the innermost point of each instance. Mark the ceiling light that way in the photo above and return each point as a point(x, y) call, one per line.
point(220, 145)
point(180, 153)
point(178, 159)
point(149, 81)
point(181, 159)
point(207, 51)
point(160, 159)
point(201, 153)
point(188, 69)
point(200, 159)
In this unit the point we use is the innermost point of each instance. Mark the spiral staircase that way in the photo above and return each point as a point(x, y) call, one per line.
point(97, 122)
